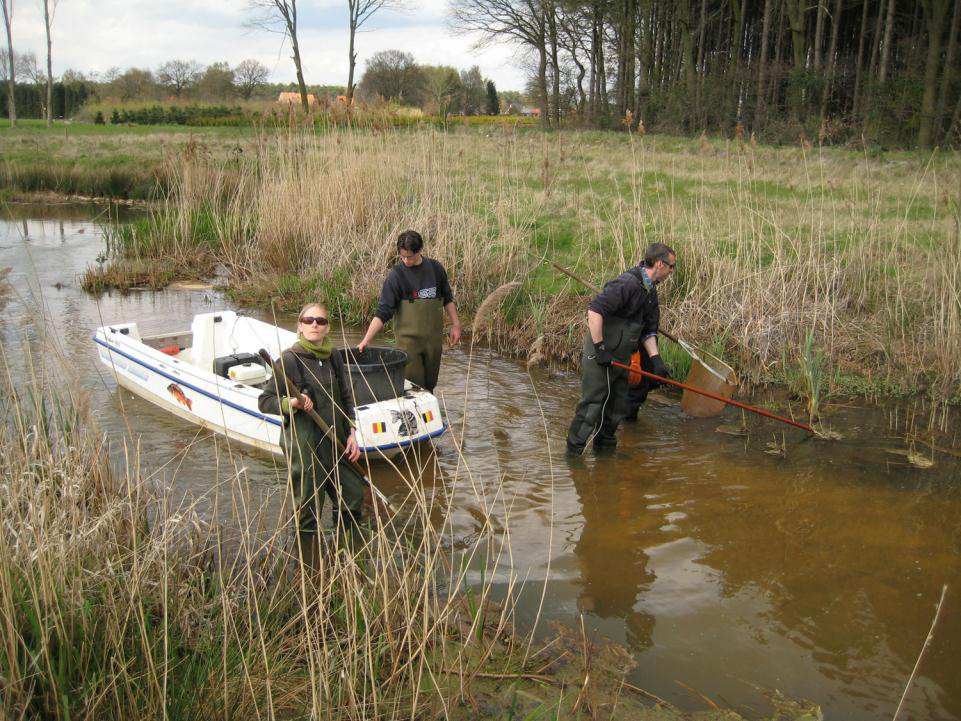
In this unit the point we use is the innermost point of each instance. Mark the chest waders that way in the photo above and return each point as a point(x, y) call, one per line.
point(603, 403)
point(312, 456)
point(419, 330)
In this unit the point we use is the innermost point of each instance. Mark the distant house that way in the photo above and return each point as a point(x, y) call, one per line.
point(294, 99)
point(522, 110)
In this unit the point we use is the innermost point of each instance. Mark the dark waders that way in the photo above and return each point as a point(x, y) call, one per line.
point(604, 401)
point(314, 471)
point(419, 330)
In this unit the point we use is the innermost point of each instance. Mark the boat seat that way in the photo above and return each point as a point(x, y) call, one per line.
point(212, 338)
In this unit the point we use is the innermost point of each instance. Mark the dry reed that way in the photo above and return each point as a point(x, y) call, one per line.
point(483, 315)
point(773, 244)
point(119, 603)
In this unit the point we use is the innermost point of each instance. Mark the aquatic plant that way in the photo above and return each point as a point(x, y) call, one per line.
point(812, 368)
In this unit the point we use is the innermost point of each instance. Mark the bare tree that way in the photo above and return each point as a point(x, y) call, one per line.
point(886, 54)
point(28, 69)
point(217, 82)
point(860, 61)
point(133, 83)
point(948, 74)
point(250, 75)
point(762, 65)
point(359, 12)
point(7, 7)
point(179, 75)
point(280, 16)
point(472, 91)
point(819, 34)
point(832, 59)
point(442, 89)
point(519, 21)
point(394, 75)
point(575, 28)
point(934, 15)
point(49, 8)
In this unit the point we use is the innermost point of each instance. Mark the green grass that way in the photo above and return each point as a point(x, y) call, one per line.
point(30, 128)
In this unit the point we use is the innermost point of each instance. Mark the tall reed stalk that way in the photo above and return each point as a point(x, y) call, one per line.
point(116, 602)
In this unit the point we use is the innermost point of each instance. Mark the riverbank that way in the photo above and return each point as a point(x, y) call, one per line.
point(823, 270)
point(712, 560)
point(122, 601)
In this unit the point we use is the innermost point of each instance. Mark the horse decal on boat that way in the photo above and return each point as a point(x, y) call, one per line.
point(407, 422)
point(181, 397)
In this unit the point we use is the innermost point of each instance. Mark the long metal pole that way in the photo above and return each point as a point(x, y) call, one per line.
point(678, 384)
point(594, 289)
point(738, 404)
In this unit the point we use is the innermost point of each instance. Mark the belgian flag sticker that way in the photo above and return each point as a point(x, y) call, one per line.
point(428, 416)
point(380, 427)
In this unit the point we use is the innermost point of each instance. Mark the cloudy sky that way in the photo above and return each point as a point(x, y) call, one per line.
point(95, 35)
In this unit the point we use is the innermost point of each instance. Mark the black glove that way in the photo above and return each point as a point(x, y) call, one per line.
point(658, 368)
point(602, 356)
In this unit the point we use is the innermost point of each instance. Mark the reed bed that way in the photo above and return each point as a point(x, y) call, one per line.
point(119, 602)
point(776, 245)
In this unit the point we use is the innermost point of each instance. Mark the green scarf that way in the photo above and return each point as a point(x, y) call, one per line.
point(322, 351)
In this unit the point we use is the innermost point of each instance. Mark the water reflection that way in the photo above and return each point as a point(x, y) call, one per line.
point(614, 568)
point(714, 562)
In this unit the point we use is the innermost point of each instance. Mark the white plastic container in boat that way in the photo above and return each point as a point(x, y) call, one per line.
point(211, 375)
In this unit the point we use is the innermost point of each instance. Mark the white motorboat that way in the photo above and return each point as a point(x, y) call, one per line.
point(212, 375)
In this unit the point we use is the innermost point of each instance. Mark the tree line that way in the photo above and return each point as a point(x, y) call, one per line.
point(177, 79)
point(441, 90)
point(884, 71)
point(881, 70)
point(390, 75)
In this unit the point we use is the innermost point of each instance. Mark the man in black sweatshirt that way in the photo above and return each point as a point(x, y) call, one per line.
point(418, 293)
point(621, 318)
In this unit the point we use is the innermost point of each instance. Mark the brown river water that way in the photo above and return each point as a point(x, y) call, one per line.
point(719, 566)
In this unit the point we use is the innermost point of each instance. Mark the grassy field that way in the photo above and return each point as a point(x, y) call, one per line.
point(124, 162)
point(829, 270)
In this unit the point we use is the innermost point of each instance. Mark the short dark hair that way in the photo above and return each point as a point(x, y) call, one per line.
point(656, 252)
point(410, 241)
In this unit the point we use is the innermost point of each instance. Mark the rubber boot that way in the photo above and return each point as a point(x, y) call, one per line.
point(308, 550)
point(573, 451)
point(347, 529)
point(605, 441)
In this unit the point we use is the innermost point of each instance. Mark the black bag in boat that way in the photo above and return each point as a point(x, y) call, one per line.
point(375, 375)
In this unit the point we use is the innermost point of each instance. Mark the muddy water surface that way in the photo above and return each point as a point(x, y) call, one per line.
point(717, 564)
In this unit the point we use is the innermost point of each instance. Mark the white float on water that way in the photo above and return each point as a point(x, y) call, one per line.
point(211, 375)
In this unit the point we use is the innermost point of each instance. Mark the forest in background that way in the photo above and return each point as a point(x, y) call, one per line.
point(859, 73)
point(883, 72)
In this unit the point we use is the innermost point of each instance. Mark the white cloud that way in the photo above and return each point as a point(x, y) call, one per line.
point(95, 35)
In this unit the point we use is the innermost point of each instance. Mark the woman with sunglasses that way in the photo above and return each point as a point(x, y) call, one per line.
point(316, 466)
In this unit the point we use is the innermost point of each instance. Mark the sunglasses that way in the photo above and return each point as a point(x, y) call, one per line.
point(310, 320)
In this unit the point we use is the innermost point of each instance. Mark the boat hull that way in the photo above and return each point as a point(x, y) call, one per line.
point(230, 409)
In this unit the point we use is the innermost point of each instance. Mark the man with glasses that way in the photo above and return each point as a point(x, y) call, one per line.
point(622, 318)
point(416, 294)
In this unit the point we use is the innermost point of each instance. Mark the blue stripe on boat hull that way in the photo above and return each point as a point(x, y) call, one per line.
point(249, 412)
